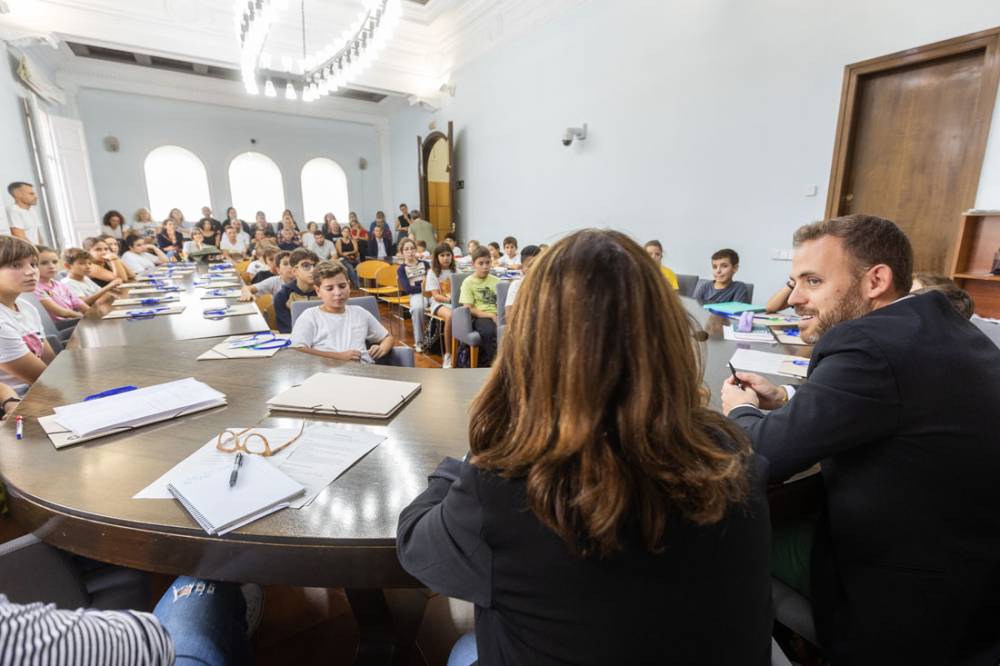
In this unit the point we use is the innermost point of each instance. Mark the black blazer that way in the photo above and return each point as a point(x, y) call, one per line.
point(372, 249)
point(705, 600)
point(902, 410)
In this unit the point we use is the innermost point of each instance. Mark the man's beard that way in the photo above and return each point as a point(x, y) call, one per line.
point(850, 306)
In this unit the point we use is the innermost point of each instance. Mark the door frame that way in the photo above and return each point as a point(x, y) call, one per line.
point(424, 147)
point(986, 39)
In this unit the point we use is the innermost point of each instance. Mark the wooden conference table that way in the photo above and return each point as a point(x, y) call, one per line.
point(80, 498)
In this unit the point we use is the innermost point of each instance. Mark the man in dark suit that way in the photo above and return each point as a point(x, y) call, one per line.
point(902, 411)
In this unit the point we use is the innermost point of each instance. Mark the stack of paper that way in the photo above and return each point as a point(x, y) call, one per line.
point(246, 346)
point(234, 310)
point(318, 457)
point(152, 290)
point(260, 490)
point(83, 421)
point(767, 363)
point(335, 394)
point(215, 284)
point(222, 292)
point(150, 300)
point(142, 313)
point(755, 335)
point(787, 335)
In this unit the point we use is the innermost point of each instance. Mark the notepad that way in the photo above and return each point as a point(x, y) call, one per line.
point(335, 394)
point(153, 290)
point(222, 293)
point(167, 297)
point(260, 490)
point(151, 311)
point(732, 308)
point(115, 413)
point(234, 310)
point(755, 335)
point(230, 348)
point(215, 284)
point(767, 363)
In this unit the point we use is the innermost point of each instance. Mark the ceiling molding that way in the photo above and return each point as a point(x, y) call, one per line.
point(115, 77)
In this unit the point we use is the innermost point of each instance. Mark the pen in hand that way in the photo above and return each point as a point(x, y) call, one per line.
point(237, 463)
point(736, 379)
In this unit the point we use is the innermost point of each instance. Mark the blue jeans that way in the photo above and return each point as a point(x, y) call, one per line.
point(464, 653)
point(207, 622)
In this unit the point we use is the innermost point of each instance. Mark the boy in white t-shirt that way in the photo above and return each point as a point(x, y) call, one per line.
point(78, 263)
point(510, 259)
point(24, 352)
point(278, 264)
point(335, 329)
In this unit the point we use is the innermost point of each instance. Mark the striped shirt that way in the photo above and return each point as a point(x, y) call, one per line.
point(42, 634)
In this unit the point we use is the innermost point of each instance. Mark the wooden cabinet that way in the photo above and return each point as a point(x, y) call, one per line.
point(978, 244)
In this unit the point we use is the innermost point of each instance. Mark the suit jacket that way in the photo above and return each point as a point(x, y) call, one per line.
point(902, 410)
point(706, 599)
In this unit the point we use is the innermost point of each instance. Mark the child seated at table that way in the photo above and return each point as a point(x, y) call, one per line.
point(141, 256)
point(59, 301)
point(510, 260)
point(78, 263)
point(24, 351)
point(723, 289)
point(655, 251)
point(335, 329)
point(300, 289)
point(438, 285)
point(479, 292)
point(280, 269)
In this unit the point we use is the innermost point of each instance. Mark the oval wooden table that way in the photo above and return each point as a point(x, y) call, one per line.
point(80, 498)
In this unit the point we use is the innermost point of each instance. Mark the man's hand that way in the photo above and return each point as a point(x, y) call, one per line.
point(733, 396)
point(770, 396)
point(375, 351)
point(349, 355)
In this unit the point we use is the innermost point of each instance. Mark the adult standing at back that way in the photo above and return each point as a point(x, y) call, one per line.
point(902, 411)
point(402, 225)
point(605, 515)
point(22, 212)
point(422, 230)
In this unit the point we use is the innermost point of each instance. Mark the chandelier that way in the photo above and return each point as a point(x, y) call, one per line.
point(320, 72)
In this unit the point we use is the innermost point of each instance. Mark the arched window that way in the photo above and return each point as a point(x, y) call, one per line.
point(255, 184)
point(324, 190)
point(176, 178)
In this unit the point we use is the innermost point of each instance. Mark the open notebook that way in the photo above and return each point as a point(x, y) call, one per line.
point(335, 394)
point(260, 490)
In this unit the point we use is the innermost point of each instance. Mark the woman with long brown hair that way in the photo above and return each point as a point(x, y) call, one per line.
point(605, 514)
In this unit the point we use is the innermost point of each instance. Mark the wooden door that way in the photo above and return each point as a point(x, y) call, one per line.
point(911, 140)
point(437, 195)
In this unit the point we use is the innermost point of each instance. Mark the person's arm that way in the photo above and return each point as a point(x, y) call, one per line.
point(849, 400)
point(157, 254)
point(120, 269)
point(304, 335)
point(27, 368)
point(18, 232)
point(376, 331)
point(482, 314)
point(56, 310)
point(94, 298)
point(41, 633)
point(404, 282)
point(439, 539)
point(779, 301)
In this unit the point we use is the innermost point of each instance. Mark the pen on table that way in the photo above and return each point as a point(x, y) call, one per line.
point(737, 379)
point(19, 421)
point(236, 469)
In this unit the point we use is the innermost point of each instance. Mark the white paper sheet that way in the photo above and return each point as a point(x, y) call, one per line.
point(124, 409)
point(324, 453)
point(208, 458)
point(154, 310)
point(767, 363)
point(762, 335)
point(224, 350)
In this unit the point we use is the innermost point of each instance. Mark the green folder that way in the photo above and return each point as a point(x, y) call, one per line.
point(732, 308)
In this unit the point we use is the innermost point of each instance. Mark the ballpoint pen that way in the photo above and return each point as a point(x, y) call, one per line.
point(237, 463)
point(737, 379)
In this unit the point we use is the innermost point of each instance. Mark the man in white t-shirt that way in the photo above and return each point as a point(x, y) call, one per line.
point(4, 223)
point(22, 213)
point(323, 248)
point(232, 242)
point(336, 330)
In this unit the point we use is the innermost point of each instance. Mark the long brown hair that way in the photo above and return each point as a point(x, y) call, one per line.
point(594, 400)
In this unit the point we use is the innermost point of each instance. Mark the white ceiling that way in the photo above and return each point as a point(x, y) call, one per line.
point(429, 44)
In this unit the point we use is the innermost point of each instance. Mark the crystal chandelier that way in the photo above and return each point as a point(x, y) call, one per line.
point(321, 72)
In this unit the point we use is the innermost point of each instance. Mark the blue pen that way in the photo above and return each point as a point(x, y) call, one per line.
point(802, 363)
point(110, 392)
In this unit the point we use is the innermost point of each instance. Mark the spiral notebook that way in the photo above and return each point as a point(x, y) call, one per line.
point(260, 490)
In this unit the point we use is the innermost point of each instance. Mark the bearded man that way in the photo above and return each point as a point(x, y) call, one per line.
point(901, 409)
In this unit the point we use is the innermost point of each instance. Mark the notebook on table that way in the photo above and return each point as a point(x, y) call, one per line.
point(143, 313)
point(147, 300)
point(260, 490)
point(335, 394)
point(732, 308)
point(223, 292)
point(256, 345)
point(230, 310)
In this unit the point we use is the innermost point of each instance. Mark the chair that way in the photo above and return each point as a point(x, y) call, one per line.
point(402, 357)
point(990, 328)
point(686, 284)
point(794, 611)
point(265, 303)
point(461, 323)
point(502, 288)
point(706, 280)
point(33, 571)
point(372, 273)
point(367, 270)
point(51, 331)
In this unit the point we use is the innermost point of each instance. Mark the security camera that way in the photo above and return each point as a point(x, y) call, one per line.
point(574, 133)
